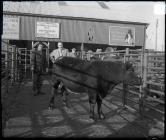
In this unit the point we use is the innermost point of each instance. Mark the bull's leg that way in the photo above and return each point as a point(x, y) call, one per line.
point(92, 102)
point(99, 108)
point(53, 89)
point(64, 96)
point(92, 106)
point(51, 104)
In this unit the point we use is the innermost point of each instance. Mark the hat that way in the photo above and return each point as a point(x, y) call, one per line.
point(73, 49)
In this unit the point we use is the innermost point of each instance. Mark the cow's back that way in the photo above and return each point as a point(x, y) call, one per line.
point(109, 70)
point(74, 73)
point(77, 73)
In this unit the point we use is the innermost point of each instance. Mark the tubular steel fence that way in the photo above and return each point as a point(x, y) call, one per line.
point(15, 70)
point(150, 65)
point(11, 76)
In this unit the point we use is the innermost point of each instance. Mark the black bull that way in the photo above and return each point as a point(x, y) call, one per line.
point(92, 77)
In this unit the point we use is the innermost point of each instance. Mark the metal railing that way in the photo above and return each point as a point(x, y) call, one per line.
point(151, 67)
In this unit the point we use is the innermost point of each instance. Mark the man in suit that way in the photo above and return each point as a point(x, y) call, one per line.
point(60, 51)
point(36, 67)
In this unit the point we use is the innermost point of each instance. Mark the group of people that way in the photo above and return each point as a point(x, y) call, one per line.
point(109, 52)
point(37, 63)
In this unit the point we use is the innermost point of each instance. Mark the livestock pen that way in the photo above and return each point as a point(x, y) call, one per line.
point(148, 98)
point(132, 99)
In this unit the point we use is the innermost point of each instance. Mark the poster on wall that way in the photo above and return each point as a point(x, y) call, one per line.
point(121, 36)
point(10, 28)
point(46, 29)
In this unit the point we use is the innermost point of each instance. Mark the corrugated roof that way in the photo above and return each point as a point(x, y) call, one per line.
point(85, 9)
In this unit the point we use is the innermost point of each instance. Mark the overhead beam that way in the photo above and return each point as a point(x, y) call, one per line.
point(62, 3)
point(102, 4)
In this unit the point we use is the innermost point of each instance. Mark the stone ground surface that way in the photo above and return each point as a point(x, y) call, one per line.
point(31, 118)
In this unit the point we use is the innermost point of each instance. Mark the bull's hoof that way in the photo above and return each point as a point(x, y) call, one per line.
point(101, 117)
point(51, 107)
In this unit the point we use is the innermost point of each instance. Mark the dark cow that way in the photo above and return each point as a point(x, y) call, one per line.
point(92, 77)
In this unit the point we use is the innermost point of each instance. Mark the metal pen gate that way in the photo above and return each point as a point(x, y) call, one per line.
point(150, 66)
point(25, 62)
point(11, 76)
point(154, 81)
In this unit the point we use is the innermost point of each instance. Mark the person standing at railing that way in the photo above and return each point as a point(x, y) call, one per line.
point(109, 53)
point(73, 53)
point(60, 51)
point(36, 67)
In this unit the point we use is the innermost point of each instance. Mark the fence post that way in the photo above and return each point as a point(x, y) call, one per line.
point(31, 73)
point(124, 88)
point(25, 63)
point(14, 62)
point(127, 53)
point(142, 88)
point(7, 69)
point(12, 65)
point(124, 94)
point(88, 56)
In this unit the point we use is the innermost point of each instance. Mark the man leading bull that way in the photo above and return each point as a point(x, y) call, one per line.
point(55, 54)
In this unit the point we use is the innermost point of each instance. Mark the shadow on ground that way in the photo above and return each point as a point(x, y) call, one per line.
point(31, 118)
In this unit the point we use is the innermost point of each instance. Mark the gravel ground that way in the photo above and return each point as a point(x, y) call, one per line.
point(31, 118)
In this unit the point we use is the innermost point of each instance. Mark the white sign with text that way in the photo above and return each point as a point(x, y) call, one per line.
point(10, 28)
point(47, 29)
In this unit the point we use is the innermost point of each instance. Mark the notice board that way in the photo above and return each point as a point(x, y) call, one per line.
point(121, 36)
point(47, 29)
point(10, 28)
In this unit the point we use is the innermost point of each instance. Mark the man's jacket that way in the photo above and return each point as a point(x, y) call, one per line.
point(37, 60)
point(55, 53)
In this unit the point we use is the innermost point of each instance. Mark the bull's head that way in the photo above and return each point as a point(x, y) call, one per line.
point(130, 76)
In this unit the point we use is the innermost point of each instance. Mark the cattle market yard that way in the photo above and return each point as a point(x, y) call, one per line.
point(136, 111)
point(30, 117)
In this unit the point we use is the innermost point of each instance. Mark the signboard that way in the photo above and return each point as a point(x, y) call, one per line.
point(121, 36)
point(47, 29)
point(10, 28)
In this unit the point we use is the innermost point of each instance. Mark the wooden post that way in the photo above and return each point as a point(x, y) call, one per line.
point(25, 54)
point(124, 88)
point(31, 63)
point(7, 68)
point(16, 63)
point(48, 53)
point(82, 51)
point(142, 88)
point(32, 44)
point(124, 94)
point(127, 53)
point(144, 74)
point(12, 69)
